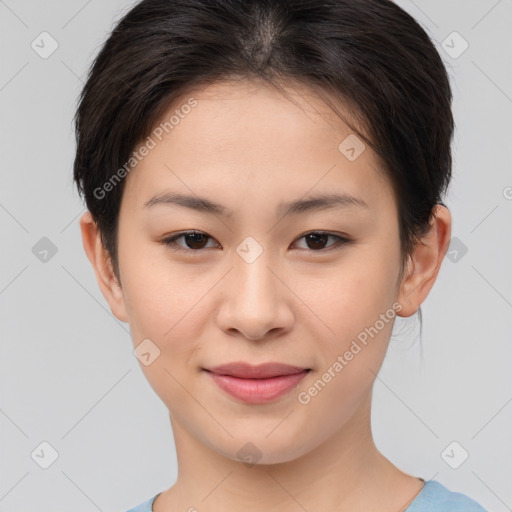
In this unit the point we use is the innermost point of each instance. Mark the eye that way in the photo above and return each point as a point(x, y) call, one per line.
point(316, 239)
point(196, 240)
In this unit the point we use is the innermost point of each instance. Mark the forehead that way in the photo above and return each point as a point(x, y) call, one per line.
point(246, 136)
point(245, 110)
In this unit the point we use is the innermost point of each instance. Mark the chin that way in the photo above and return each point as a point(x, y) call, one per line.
point(260, 449)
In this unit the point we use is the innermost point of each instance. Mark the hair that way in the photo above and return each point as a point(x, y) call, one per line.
point(370, 57)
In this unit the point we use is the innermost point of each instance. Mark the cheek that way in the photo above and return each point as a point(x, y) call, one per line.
point(167, 311)
point(154, 291)
point(162, 309)
point(350, 295)
point(167, 305)
point(355, 303)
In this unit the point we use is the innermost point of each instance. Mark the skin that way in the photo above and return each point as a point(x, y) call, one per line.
point(249, 148)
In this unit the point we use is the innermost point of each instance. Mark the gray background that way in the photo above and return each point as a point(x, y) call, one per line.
point(68, 373)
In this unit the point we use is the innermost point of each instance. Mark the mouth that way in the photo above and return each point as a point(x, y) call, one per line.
point(256, 384)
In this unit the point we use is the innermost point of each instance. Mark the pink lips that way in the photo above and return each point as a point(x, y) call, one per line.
point(256, 384)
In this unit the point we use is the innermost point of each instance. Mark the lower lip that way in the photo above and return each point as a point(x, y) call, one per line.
point(257, 391)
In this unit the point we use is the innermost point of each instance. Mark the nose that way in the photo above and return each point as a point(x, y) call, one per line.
point(256, 301)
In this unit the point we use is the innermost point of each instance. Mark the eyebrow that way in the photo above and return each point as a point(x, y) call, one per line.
point(204, 205)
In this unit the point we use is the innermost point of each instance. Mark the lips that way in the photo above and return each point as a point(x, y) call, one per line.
point(243, 370)
point(256, 384)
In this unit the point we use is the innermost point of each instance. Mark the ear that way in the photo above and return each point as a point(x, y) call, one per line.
point(424, 263)
point(102, 265)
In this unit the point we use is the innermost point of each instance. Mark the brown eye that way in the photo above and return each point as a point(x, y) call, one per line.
point(194, 241)
point(316, 240)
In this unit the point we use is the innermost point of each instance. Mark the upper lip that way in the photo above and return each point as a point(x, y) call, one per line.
point(244, 370)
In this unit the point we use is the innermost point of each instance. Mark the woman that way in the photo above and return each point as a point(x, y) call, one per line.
point(263, 182)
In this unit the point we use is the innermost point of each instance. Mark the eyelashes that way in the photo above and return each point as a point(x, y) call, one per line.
point(198, 238)
point(194, 237)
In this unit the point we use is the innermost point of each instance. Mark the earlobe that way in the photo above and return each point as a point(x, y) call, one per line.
point(425, 262)
point(102, 266)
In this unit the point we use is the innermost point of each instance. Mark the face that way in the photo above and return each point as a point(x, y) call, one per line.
point(313, 286)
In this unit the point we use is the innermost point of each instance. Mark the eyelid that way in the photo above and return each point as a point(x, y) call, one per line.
point(170, 241)
point(342, 240)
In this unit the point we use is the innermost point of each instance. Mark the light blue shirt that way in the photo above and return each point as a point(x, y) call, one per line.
point(434, 497)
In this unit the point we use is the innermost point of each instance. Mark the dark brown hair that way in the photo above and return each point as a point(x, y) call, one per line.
point(370, 56)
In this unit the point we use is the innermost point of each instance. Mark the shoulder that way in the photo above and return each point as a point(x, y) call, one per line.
point(435, 497)
point(146, 506)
